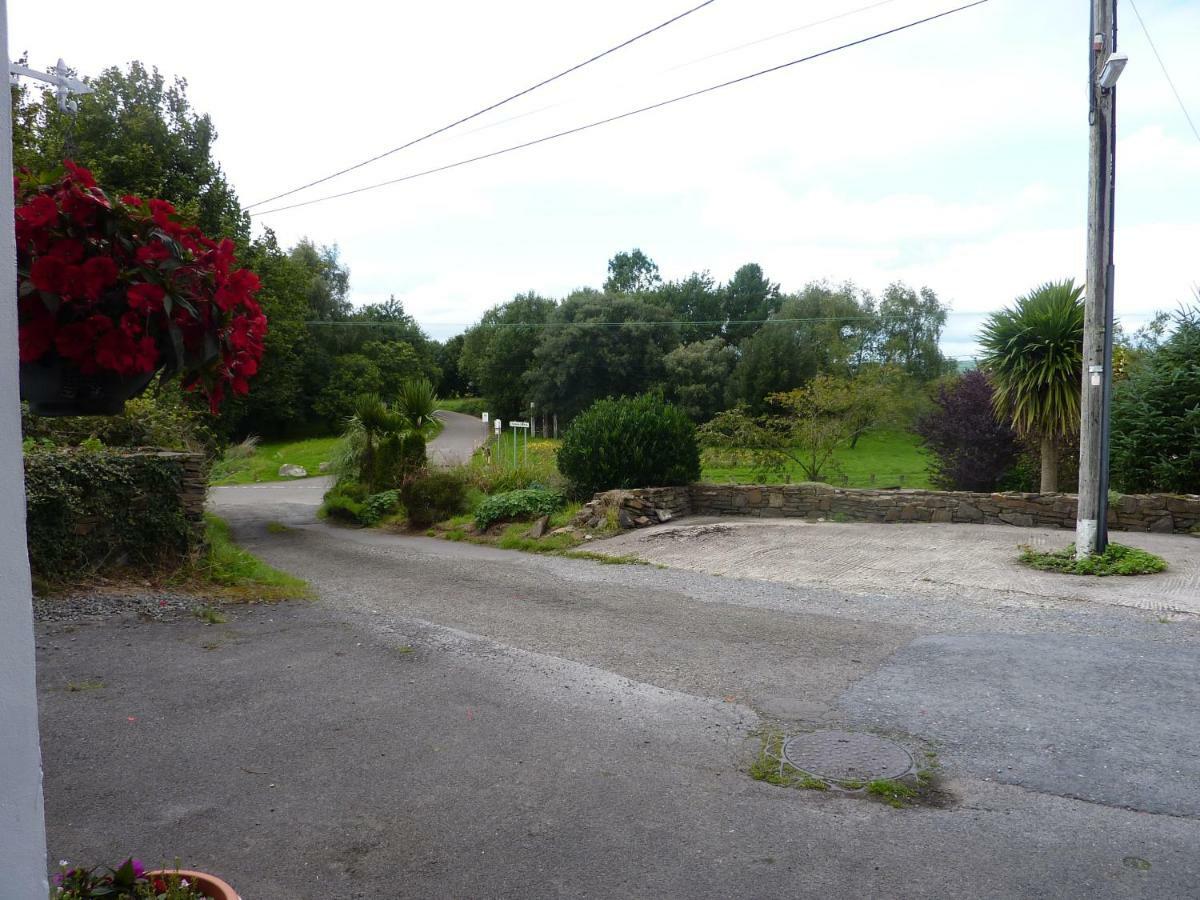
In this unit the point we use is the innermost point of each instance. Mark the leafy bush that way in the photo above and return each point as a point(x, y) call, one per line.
point(343, 507)
point(524, 504)
point(1156, 416)
point(434, 495)
point(379, 505)
point(632, 442)
point(973, 450)
point(381, 445)
point(86, 510)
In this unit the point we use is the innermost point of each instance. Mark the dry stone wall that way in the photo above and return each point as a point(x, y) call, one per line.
point(1164, 513)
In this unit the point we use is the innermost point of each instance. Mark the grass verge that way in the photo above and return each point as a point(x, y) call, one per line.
point(263, 464)
point(237, 573)
point(1117, 559)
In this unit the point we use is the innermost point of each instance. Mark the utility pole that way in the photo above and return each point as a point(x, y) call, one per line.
point(1104, 68)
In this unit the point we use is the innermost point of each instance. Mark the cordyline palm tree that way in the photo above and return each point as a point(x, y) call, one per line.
point(1034, 354)
point(381, 443)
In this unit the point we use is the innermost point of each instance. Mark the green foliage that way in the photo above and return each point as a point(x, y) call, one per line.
point(748, 298)
point(632, 442)
point(353, 375)
point(1156, 415)
point(697, 374)
point(521, 504)
point(164, 417)
point(382, 445)
point(416, 403)
point(695, 299)
point(909, 327)
point(497, 353)
point(631, 273)
point(86, 511)
point(377, 506)
point(806, 427)
point(583, 357)
point(433, 496)
point(1117, 559)
point(1034, 355)
point(341, 503)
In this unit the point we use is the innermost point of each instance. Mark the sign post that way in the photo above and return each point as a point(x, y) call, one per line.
point(524, 426)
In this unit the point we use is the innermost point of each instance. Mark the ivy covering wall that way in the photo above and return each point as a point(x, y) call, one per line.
point(89, 510)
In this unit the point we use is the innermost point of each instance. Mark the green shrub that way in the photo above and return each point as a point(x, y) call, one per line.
point(632, 442)
point(523, 504)
point(379, 505)
point(434, 495)
point(496, 479)
point(87, 510)
point(341, 506)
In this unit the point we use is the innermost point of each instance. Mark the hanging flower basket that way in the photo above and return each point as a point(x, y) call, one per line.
point(111, 294)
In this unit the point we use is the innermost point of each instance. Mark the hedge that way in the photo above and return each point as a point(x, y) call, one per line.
point(89, 510)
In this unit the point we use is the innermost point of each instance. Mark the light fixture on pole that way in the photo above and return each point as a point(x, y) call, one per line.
point(1113, 67)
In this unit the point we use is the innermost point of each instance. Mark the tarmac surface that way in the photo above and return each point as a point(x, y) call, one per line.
point(450, 720)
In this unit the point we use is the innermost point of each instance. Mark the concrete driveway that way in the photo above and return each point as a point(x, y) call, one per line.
point(450, 720)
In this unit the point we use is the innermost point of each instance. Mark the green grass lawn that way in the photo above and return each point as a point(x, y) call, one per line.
point(264, 464)
point(881, 459)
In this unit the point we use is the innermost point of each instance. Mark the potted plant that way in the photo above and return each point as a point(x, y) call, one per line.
point(131, 881)
point(111, 293)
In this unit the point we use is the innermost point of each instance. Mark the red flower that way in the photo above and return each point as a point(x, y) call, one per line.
point(35, 338)
point(40, 212)
point(49, 274)
point(150, 253)
point(79, 174)
point(145, 298)
point(68, 250)
point(161, 210)
point(98, 273)
point(120, 353)
point(76, 340)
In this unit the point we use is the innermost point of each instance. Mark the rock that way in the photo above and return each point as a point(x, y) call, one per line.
point(289, 470)
point(539, 527)
point(323, 467)
point(566, 529)
point(664, 515)
point(642, 521)
point(624, 520)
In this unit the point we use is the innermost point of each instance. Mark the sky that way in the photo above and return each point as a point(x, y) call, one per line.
point(952, 155)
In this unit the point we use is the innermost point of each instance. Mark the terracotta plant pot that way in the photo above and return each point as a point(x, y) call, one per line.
point(212, 886)
point(56, 388)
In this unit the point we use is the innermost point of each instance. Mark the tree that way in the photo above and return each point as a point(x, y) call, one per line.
point(329, 280)
point(446, 354)
point(910, 327)
point(138, 135)
point(1156, 415)
point(381, 444)
point(499, 351)
point(583, 356)
point(749, 298)
point(973, 449)
point(397, 362)
point(818, 330)
point(697, 300)
point(803, 427)
point(352, 375)
point(631, 273)
point(696, 376)
point(1034, 355)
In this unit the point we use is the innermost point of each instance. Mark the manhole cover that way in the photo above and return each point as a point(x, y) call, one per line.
point(847, 756)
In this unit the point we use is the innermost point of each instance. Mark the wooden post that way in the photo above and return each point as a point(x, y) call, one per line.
point(1091, 527)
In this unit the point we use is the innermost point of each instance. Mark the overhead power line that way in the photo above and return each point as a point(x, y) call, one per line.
point(779, 34)
point(487, 109)
point(1162, 65)
point(633, 112)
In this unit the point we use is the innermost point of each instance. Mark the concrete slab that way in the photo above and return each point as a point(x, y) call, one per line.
point(963, 562)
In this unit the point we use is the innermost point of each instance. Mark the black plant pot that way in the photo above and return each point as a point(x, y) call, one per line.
point(56, 388)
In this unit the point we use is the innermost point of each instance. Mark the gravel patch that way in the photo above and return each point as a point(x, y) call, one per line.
point(147, 604)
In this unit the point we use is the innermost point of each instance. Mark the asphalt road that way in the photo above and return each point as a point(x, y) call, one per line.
point(457, 721)
point(459, 438)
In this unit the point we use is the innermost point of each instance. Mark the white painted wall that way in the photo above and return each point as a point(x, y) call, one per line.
point(22, 825)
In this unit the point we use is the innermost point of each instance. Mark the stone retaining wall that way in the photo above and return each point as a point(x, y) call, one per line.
point(1164, 513)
